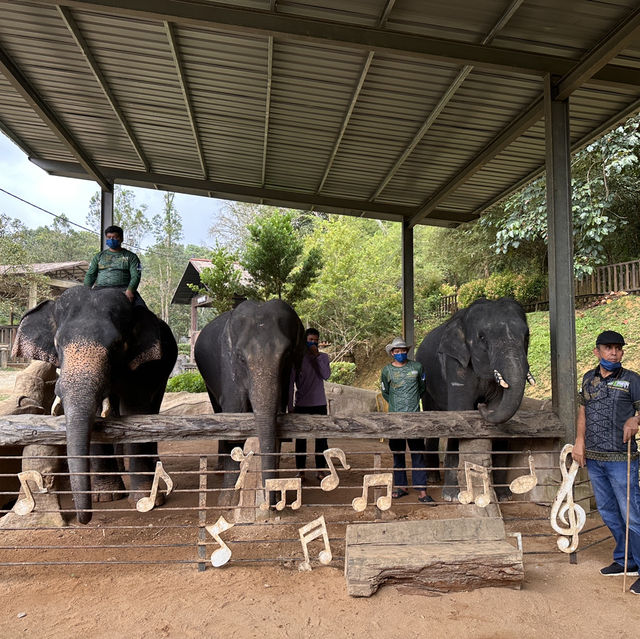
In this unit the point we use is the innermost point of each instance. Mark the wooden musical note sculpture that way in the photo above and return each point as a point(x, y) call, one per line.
point(283, 485)
point(222, 555)
point(26, 505)
point(313, 530)
point(384, 501)
point(145, 504)
point(466, 496)
point(525, 483)
point(570, 514)
point(331, 482)
point(239, 456)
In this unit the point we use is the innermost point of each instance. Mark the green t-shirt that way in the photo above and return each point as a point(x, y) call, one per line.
point(114, 268)
point(402, 386)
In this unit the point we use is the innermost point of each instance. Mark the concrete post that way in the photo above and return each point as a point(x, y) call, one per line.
point(407, 285)
point(106, 215)
point(561, 277)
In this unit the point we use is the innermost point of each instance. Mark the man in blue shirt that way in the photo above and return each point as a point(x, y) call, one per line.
point(607, 420)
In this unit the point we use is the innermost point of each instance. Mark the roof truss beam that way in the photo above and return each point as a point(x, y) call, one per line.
point(72, 25)
point(20, 83)
point(609, 47)
point(271, 23)
point(177, 60)
point(346, 206)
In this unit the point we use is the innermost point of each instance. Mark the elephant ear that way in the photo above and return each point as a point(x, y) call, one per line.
point(145, 341)
point(454, 344)
point(36, 333)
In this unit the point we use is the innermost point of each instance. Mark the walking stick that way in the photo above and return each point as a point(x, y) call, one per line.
point(626, 534)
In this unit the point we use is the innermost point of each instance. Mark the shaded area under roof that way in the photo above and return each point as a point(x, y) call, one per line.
point(426, 112)
point(183, 294)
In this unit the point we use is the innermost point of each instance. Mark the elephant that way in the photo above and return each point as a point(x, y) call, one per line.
point(477, 359)
point(245, 357)
point(105, 348)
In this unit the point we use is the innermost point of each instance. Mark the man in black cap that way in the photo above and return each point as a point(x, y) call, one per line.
point(607, 420)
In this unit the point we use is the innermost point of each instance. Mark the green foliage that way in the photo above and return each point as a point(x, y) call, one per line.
point(357, 295)
point(272, 259)
point(191, 382)
point(523, 288)
point(221, 281)
point(342, 373)
point(184, 349)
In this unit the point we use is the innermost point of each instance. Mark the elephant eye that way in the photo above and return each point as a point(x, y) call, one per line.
point(483, 339)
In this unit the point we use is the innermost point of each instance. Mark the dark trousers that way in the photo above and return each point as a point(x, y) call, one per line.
point(301, 444)
point(418, 450)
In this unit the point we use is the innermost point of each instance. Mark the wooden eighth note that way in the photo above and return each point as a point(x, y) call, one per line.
point(283, 485)
point(313, 530)
point(145, 504)
point(25, 505)
point(239, 456)
point(384, 501)
point(222, 555)
point(332, 481)
point(466, 496)
point(525, 483)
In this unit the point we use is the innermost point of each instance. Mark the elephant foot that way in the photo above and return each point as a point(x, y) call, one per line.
point(450, 493)
point(108, 487)
point(433, 477)
point(503, 494)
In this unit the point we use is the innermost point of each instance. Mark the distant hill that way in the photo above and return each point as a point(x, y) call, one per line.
point(618, 312)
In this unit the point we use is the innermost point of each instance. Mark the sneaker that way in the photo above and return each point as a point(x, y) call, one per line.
point(427, 500)
point(614, 569)
point(635, 587)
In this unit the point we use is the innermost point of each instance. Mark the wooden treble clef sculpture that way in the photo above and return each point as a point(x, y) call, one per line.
point(571, 515)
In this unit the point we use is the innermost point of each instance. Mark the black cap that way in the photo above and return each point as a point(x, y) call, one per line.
point(610, 337)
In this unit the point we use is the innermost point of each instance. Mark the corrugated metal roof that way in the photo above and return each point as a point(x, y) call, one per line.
point(398, 109)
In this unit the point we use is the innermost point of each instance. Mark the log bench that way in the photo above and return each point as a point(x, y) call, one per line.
point(431, 557)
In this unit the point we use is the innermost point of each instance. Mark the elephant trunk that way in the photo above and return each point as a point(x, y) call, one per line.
point(511, 368)
point(266, 427)
point(264, 401)
point(79, 424)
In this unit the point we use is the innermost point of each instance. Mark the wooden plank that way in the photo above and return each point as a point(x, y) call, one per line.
point(435, 556)
point(46, 429)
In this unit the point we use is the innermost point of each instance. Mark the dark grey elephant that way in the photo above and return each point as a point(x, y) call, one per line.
point(477, 359)
point(245, 357)
point(105, 348)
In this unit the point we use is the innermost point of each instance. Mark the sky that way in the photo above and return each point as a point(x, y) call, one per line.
point(71, 197)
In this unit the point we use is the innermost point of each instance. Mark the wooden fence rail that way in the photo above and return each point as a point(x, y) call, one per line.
point(48, 430)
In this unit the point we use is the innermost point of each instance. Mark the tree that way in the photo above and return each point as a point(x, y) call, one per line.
point(222, 280)
point(126, 213)
point(164, 260)
point(272, 259)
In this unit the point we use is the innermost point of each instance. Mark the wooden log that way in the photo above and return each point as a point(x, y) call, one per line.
point(46, 429)
point(431, 557)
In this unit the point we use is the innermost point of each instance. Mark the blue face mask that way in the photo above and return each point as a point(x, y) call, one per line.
point(311, 344)
point(400, 357)
point(112, 243)
point(610, 366)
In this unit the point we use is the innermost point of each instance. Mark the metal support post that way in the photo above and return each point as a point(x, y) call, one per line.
point(407, 284)
point(560, 251)
point(106, 215)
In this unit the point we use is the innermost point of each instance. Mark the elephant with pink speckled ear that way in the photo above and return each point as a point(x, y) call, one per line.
point(105, 347)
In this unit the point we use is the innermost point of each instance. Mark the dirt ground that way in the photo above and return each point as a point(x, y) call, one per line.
point(261, 593)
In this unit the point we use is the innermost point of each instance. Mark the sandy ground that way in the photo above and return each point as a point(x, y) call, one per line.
point(257, 595)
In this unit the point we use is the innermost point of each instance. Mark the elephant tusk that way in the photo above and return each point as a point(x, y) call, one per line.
point(531, 379)
point(106, 408)
point(56, 407)
point(500, 380)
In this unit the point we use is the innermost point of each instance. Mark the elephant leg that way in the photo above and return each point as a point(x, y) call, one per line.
point(140, 484)
point(107, 483)
point(230, 468)
point(500, 476)
point(450, 489)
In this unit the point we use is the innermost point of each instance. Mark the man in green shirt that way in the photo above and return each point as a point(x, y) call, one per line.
point(116, 267)
point(403, 383)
